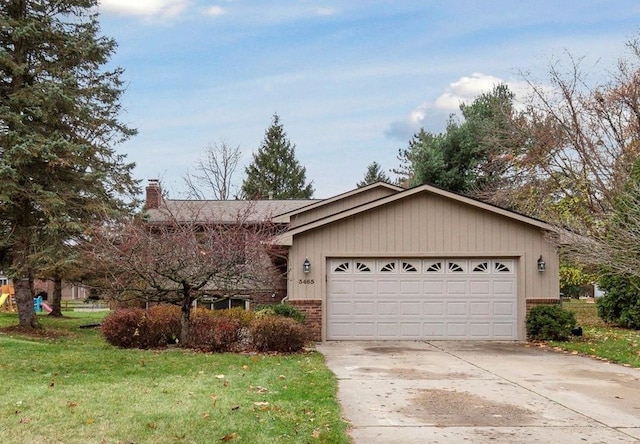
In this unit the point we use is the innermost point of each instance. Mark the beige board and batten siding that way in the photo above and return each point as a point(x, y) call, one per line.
point(425, 225)
point(335, 206)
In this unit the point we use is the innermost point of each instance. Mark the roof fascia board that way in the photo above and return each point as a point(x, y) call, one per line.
point(410, 192)
point(286, 217)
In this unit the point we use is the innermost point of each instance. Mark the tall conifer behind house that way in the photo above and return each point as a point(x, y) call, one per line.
point(275, 173)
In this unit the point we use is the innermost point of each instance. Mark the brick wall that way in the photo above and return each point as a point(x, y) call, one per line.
point(313, 321)
point(271, 297)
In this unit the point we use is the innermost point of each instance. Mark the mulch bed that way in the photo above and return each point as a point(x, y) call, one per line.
point(41, 333)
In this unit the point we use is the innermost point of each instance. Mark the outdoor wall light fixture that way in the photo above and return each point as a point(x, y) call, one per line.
point(542, 265)
point(306, 265)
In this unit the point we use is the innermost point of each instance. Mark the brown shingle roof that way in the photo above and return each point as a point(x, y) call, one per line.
point(223, 211)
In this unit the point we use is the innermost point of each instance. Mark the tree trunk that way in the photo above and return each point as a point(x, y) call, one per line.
point(185, 321)
point(24, 301)
point(56, 298)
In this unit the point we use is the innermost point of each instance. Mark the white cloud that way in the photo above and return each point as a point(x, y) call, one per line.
point(326, 11)
point(145, 8)
point(215, 11)
point(463, 90)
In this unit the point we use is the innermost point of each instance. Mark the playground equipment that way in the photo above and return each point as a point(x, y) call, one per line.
point(8, 303)
point(37, 304)
point(7, 298)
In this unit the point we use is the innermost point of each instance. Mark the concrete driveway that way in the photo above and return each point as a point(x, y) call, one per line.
point(451, 392)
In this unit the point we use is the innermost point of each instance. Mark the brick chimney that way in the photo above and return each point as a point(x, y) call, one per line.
point(154, 195)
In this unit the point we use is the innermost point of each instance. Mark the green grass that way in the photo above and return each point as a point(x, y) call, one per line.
point(71, 386)
point(600, 340)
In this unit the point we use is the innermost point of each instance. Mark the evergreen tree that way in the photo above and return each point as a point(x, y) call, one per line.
point(275, 173)
point(374, 174)
point(59, 173)
point(467, 156)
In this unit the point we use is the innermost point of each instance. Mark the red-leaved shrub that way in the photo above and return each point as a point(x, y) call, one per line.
point(276, 333)
point(122, 327)
point(138, 328)
point(244, 316)
point(213, 332)
point(161, 326)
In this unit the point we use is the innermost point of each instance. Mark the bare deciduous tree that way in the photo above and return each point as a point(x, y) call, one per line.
point(214, 172)
point(179, 262)
point(578, 143)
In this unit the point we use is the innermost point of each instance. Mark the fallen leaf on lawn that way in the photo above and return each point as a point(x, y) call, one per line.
point(229, 437)
point(260, 403)
point(214, 397)
point(235, 407)
point(24, 420)
point(205, 415)
point(225, 383)
point(220, 376)
point(262, 389)
point(244, 367)
point(201, 372)
point(315, 434)
point(71, 404)
point(282, 376)
point(89, 420)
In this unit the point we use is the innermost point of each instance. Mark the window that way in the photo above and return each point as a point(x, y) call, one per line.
point(455, 267)
point(227, 303)
point(408, 267)
point(501, 267)
point(342, 268)
point(389, 267)
point(480, 267)
point(361, 267)
point(433, 267)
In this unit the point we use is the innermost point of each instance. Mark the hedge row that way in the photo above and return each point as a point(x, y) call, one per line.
point(210, 331)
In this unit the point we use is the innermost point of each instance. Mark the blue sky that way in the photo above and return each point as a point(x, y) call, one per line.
point(352, 80)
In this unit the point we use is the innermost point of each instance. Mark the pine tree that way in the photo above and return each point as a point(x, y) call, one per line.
point(374, 174)
point(275, 173)
point(59, 173)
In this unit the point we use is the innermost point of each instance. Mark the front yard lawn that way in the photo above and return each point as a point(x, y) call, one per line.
point(610, 343)
point(70, 386)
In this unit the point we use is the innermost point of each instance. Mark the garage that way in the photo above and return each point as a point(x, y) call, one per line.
point(455, 298)
point(414, 264)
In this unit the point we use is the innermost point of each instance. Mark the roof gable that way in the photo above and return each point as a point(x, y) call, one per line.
point(287, 237)
point(374, 189)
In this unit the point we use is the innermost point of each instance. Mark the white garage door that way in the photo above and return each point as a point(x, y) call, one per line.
point(387, 299)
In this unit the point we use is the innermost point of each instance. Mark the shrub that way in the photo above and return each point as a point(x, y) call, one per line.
point(244, 316)
point(122, 327)
point(138, 328)
point(276, 333)
point(283, 310)
point(214, 332)
point(550, 323)
point(161, 326)
point(621, 303)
